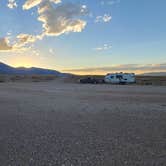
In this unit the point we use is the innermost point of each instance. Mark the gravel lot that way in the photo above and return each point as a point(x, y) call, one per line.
point(65, 124)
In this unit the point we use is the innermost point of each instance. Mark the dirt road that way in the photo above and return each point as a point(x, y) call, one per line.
point(63, 124)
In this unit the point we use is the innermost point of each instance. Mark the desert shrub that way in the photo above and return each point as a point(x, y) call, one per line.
point(2, 79)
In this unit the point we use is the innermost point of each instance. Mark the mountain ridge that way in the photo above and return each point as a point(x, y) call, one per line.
point(6, 69)
point(154, 74)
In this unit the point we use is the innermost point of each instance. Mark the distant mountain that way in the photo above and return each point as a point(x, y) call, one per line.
point(154, 74)
point(6, 69)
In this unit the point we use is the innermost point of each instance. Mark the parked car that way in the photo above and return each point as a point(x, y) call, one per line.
point(89, 80)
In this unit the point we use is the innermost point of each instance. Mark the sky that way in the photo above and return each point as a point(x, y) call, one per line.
point(84, 36)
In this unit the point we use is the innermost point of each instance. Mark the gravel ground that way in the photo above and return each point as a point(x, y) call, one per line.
point(60, 124)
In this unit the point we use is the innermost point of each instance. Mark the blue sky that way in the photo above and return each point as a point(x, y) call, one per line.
point(105, 36)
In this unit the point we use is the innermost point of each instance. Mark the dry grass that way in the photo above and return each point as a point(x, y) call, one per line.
point(26, 78)
point(140, 80)
point(151, 80)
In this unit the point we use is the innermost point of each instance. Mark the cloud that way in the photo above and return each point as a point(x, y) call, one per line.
point(24, 39)
point(9, 33)
point(56, 1)
point(12, 4)
point(20, 43)
point(56, 20)
point(61, 19)
point(104, 47)
point(32, 3)
point(109, 2)
point(35, 52)
point(106, 18)
point(4, 44)
point(51, 51)
point(122, 68)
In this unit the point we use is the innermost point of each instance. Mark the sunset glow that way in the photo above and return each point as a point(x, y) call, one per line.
point(84, 37)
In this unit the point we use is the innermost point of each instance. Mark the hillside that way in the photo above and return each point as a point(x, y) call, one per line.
point(154, 74)
point(6, 69)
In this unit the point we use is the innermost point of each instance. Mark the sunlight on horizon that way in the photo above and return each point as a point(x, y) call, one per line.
point(90, 35)
point(23, 61)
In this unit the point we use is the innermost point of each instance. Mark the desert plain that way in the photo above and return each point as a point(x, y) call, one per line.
point(69, 124)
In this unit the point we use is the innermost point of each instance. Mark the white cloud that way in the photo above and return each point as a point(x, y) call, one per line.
point(32, 3)
point(61, 19)
point(125, 68)
point(4, 44)
point(21, 42)
point(24, 39)
point(106, 18)
point(51, 51)
point(56, 20)
point(12, 4)
point(35, 52)
point(9, 33)
point(109, 2)
point(104, 47)
point(56, 1)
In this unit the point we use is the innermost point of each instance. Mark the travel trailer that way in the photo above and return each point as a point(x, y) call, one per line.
point(120, 78)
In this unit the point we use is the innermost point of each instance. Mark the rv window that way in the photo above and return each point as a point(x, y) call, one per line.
point(112, 77)
point(119, 76)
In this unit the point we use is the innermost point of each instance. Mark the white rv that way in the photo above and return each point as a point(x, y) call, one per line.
point(120, 78)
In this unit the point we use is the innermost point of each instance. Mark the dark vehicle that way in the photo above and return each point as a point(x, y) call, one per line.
point(89, 80)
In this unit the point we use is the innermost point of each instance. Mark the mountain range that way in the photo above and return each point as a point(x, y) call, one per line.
point(154, 74)
point(6, 69)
